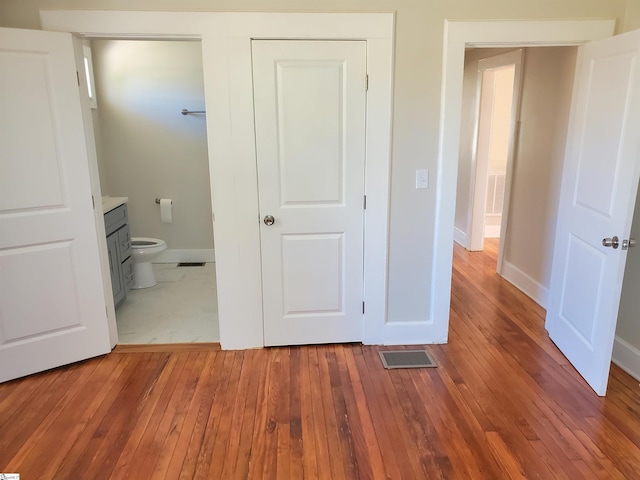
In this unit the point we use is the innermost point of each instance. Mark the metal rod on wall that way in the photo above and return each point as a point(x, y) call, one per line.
point(184, 111)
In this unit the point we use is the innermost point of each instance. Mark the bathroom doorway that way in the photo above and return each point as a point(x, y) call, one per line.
point(147, 149)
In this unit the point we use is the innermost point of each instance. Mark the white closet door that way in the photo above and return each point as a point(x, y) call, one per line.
point(310, 99)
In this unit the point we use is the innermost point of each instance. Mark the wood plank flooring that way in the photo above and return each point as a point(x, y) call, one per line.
point(503, 403)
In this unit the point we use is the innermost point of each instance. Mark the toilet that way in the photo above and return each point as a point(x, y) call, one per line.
point(144, 251)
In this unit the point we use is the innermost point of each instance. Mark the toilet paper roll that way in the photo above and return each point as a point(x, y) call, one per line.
point(165, 210)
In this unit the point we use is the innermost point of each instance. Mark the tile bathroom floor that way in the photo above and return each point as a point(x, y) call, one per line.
point(181, 308)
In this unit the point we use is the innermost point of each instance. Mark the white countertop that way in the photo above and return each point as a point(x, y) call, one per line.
point(109, 203)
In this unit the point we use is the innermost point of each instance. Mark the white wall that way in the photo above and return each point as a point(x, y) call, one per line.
point(545, 103)
point(626, 350)
point(418, 54)
point(146, 147)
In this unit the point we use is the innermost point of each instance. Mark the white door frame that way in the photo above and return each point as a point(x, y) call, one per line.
point(457, 36)
point(226, 49)
point(477, 198)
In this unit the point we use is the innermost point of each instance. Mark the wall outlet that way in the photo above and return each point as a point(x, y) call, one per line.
point(422, 179)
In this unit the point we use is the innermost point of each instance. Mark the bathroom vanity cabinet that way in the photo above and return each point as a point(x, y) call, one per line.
point(116, 224)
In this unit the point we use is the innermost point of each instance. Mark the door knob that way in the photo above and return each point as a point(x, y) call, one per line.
point(269, 220)
point(626, 244)
point(611, 242)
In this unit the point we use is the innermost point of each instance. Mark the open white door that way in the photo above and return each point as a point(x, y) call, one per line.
point(52, 308)
point(310, 134)
point(599, 186)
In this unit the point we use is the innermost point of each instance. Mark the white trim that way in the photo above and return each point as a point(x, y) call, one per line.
point(174, 255)
point(627, 357)
point(226, 49)
point(523, 282)
point(512, 152)
point(103, 251)
point(491, 231)
point(457, 36)
point(408, 333)
point(460, 237)
point(257, 25)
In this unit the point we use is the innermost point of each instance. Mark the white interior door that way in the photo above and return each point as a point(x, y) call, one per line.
point(599, 186)
point(52, 308)
point(310, 135)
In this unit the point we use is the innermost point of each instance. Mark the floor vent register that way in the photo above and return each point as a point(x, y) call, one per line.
point(407, 359)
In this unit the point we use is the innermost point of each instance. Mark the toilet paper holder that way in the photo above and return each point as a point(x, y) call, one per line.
point(158, 201)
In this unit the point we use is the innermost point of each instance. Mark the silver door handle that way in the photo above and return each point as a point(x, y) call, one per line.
point(626, 244)
point(269, 220)
point(611, 242)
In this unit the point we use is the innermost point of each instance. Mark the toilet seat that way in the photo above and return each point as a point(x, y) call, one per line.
point(146, 242)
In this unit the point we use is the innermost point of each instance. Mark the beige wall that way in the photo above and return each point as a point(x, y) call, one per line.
point(503, 94)
point(417, 91)
point(628, 328)
point(544, 115)
point(146, 147)
point(632, 16)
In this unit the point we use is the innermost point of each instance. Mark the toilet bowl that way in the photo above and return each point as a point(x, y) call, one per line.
point(144, 251)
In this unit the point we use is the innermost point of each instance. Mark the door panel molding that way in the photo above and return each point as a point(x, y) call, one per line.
point(52, 306)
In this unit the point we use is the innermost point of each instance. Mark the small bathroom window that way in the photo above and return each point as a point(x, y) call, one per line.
point(88, 71)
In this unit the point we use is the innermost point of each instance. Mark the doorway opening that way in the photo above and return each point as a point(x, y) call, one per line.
point(498, 100)
point(147, 149)
point(515, 112)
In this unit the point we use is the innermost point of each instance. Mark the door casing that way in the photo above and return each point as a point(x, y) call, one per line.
point(489, 34)
point(226, 47)
point(475, 224)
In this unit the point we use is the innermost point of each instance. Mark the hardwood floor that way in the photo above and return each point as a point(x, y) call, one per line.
point(503, 403)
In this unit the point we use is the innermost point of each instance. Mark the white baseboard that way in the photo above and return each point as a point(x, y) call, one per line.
point(492, 231)
point(460, 237)
point(536, 291)
point(191, 255)
point(627, 357)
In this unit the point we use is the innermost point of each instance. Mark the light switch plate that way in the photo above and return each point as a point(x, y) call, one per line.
point(422, 179)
